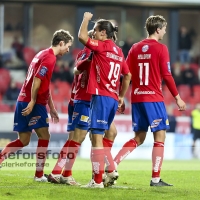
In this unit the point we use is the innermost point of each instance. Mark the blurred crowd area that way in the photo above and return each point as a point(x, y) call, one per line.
point(20, 46)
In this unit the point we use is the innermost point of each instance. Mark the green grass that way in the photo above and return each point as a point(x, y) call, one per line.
point(17, 182)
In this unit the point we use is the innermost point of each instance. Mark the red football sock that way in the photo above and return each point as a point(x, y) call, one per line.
point(108, 157)
point(71, 157)
point(10, 148)
point(97, 160)
point(41, 157)
point(126, 149)
point(157, 158)
point(62, 159)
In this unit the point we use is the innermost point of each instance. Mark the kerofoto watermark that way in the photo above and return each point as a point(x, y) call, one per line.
point(40, 153)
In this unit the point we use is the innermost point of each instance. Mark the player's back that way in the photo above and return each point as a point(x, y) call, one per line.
point(107, 62)
point(145, 60)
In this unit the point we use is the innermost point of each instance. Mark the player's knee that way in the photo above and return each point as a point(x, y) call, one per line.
point(25, 142)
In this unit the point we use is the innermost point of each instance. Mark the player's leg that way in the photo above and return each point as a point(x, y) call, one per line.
point(159, 123)
point(108, 140)
point(39, 121)
point(111, 175)
point(54, 176)
point(23, 129)
point(140, 127)
point(43, 142)
point(102, 113)
point(80, 122)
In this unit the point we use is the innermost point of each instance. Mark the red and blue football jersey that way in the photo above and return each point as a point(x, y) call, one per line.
point(41, 67)
point(148, 61)
point(107, 65)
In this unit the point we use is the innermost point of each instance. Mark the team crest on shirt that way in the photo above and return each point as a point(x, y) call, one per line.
point(145, 48)
point(94, 42)
point(168, 67)
point(167, 122)
point(34, 120)
point(115, 50)
point(155, 123)
point(43, 71)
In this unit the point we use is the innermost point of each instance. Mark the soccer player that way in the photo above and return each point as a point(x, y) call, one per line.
point(149, 64)
point(31, 104)
point(107, 65)
point(81, 102)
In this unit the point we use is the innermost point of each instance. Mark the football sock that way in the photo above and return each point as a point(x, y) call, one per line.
point(108, 157)
point(41, 157)
point(126, 149)
point(97, 160)
point(157, 158)
point(61, 160)
point(71, 156)
point(10, 148)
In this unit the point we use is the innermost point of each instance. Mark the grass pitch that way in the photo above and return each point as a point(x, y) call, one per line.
point(16, 182)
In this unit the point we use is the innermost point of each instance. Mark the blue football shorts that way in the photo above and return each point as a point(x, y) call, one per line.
point(70, 127)
point(151, 114)
point(102, 113)
point(80, 118)
point(38, 118)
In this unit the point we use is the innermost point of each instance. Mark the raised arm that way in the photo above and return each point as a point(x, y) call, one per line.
point(83, 31)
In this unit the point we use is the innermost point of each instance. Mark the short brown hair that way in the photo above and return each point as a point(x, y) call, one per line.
point(61, 35)
point(154, 22)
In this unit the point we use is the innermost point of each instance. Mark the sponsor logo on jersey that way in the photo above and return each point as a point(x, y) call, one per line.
point(145, 48)
point(155, 123)
point(167, 122)
point(101, 121)
point(115, 50)
point(168, 67)
point(34, 120)
point(94, 42)
point(84, 118)
point(110, 89)
point(137, 92)
point(43, 71)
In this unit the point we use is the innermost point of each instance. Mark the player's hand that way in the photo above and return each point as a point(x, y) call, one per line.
point(26, 111)
point(121, 109)
point(88, 15)
point(181, 104)
point(54, 116)
point(121, 101)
